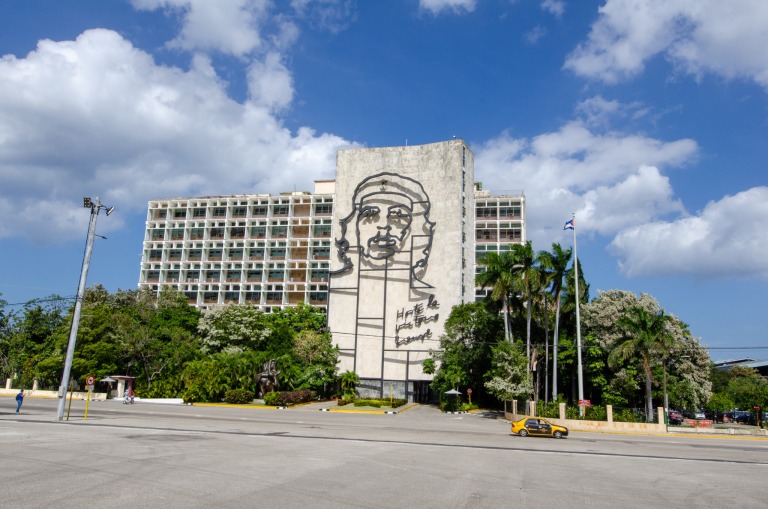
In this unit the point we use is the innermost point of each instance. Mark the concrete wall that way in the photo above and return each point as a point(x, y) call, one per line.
point(583, 425)
point(95, 396)
point(388, 303)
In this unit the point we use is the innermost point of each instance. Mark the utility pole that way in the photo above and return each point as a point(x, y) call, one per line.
point(95, 207)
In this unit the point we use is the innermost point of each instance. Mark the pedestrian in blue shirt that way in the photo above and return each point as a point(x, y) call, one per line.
point(19, 400)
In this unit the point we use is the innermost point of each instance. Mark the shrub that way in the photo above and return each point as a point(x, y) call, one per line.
point(238, 397)
point(466, 407)
point(368, 402)
point(272, 398)
point(345, 401)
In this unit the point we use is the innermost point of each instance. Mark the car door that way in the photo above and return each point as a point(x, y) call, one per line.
point(532, 426)
point(545, 428)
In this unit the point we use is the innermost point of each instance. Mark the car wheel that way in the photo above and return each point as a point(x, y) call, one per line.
point(523, 433)
point(558, 434)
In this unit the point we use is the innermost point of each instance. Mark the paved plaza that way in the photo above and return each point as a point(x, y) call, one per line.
point(181, 456)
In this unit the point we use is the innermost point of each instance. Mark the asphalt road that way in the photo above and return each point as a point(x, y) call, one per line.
point(149, 455)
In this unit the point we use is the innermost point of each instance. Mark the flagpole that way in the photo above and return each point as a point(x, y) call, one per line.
point(578, 319)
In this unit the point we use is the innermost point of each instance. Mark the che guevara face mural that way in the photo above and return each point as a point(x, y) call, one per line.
point(390, 215)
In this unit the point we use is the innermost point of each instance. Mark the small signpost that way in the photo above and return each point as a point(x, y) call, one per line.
point(469, 394)
point(585, 402)
point(89, 381)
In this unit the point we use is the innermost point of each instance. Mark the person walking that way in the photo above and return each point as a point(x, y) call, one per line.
point(19, 400)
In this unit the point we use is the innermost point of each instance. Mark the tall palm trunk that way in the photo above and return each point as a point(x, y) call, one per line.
point(505, 312)
point(554, 348)
point(648, 389)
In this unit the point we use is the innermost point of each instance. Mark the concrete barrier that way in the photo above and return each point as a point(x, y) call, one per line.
point(95, 396)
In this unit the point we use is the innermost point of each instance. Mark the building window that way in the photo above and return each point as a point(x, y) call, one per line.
point(236, 254)
point(193, 276)
point(485, 212)
point(157, 234)
point(260, 210)
point(195, 254)
point(254, 274)
point(199, 212)
point(318, 297)
point(323, 209)
point(322, 230)
point(279, 231)
point(277, 252)
point(180, 214)
point(233, 275)
point(319, 274)
point(217, 233)
point(212, 275)
point(277, 274)
point(215, 254)
point(258, 232)
point(280, 210)
point(174, 254)
point(197, 233)
point(321, 252)
point(156, 255)
point(256, 253)
point(239, 211)
point(237, 232)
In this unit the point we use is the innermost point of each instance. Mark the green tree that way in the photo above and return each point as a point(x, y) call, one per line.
point(234, 328)
point(508, 378)
point(498, 273)
point(556, 262)
point(527, 281)
point(645, 334)
point(464, 357)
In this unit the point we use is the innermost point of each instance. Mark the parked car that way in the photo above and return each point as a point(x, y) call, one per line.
point(538, 427)
point(675, 417)
point(743, 417)
point(699, 415)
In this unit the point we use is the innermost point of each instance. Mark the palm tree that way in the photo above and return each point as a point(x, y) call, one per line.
point(556, 262)
point(645, 334)
point(498, 273)
point(527, 281)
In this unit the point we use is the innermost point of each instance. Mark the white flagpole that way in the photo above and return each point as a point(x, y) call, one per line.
point(578, 319)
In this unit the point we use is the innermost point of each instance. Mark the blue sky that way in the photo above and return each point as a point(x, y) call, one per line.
point(647, 118)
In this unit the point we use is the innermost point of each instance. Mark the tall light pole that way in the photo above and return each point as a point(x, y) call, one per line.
point(95, 207)
point(580, 372)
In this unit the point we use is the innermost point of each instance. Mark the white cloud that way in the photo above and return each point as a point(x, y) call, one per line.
point(229, 26)
point(726, 38)
point(555, 7)
point(331, 15)
point(611, 180)
point(118, 126)
point(455, 6)
point(727, 238)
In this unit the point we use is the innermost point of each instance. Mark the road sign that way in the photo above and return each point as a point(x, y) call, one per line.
point(585, 402)
point(469, 391)
point(89, 380)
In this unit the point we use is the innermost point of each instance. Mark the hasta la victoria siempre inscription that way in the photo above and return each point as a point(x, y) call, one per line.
point(416, 318)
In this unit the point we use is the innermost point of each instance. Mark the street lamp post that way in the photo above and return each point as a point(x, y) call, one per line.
point(95, 207)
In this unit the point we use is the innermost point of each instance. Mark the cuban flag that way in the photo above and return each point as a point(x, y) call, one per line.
point(568, 225)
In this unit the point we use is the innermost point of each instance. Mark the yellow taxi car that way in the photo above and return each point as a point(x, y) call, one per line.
point(538, 427)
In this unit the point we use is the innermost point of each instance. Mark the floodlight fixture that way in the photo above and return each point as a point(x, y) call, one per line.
point(87, 202)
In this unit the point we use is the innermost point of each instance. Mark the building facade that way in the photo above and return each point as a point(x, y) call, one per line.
point(388, 248)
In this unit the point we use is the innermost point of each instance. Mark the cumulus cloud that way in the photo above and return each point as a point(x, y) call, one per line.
point(610, 180)
point(455, 6)
point(726, 239)
point(555, 7)
point(119, 126)
point(698, 36)
point(229, 26)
